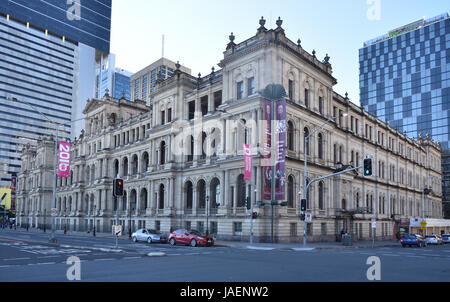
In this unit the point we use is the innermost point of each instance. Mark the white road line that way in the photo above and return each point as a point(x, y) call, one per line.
point(108, 259)
point(5, 266)
point(14, 259)
point(174, 254)
point(390, 255)
point(416, 256)
point(128, 258)
point(48, 263)
point(48, 257)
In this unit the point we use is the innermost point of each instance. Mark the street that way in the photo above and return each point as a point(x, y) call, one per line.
point(28, 257)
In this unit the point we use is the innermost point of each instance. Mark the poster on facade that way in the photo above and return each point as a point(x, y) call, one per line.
point(5, 193)
point(64, 159)
point(266, 154)
point(280, 142)
point(248, 162)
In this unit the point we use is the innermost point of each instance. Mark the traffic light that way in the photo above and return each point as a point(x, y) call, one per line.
point(303, 205)
point(254, 215)
point(367, 167)
point(284, 203)
point(302, 216)
point(118, 187)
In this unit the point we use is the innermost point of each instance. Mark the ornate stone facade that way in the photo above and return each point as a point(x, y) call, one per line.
point(168, 186)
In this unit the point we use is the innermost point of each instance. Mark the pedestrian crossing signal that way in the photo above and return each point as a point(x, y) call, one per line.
point(368, 167)
point(303, 205)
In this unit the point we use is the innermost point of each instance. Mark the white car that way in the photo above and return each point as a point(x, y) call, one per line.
point(148, 236)
point(433, 239)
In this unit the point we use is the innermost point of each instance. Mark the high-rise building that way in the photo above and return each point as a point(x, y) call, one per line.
point(405, 81)
point(143, 82)
point(48, 51)
point(116, 80)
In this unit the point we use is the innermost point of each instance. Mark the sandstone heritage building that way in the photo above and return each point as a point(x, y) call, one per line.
point(181, 156)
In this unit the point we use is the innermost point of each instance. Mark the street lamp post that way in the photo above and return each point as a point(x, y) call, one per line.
point(129, 223)
point(305, 186)
point(207, 215)
point(93, 233)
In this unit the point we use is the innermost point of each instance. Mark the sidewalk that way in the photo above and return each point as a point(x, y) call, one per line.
point(309, 246)
point(246, 245)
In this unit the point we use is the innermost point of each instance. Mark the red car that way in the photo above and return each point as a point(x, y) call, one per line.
point(191, 237)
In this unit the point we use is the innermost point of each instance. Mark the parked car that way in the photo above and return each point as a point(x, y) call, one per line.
point(149, 236)
point(446, 238)
point(412, 239)
point(190, 237)
point(433, 239)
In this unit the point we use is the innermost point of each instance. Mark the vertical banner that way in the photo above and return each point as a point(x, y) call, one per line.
point(13, 192)
point(64, 159)
point(267, 145)
point(248, 162)
point(281, 149)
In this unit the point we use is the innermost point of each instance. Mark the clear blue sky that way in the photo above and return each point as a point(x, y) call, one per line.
point(196, 31)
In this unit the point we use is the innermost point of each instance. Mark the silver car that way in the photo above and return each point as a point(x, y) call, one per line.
point(148, 236)
point(446, 238)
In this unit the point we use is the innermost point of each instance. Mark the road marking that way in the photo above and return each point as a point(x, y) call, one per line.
point(5, 266)
point(44, 257)
point(128, 258)
point(174, 254)
point(107, 259)
point(390, 255)
point(48, 263)
point(416, 256)
point(14, 259)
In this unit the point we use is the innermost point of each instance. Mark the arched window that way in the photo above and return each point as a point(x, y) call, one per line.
point(134, 164)
point(290, 188)
point(344, 204)
point(357, 200)
point(321, 194)
point(162, 148)
point(188, 188)
point(308, 195)
point(161, 197)
point(321, 105)
point(215, 193)
point(201, 191)
point(203, 156)
point(290, 136)
point(145, 162)
point(125, 166)
point(133, 200)
point(306, 140)
point(190, 151)
point(116, 168)
point(320, 146)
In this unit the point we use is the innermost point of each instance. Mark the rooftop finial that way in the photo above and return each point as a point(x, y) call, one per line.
point(326, 60)
point(231, 37)
point(178, 65)
point(346, 95)
point(314, 53)
point(262, 22)
point(299, 42)
point(279, 22)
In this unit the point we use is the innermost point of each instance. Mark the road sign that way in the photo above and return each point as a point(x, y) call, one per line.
point(308, 217)
point(117, 229)
point(423, 225)
point(54, 212)
point(374, 223)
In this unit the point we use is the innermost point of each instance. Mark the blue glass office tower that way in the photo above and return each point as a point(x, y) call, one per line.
point(43, 49)
point(121, 84)
point(405, 81)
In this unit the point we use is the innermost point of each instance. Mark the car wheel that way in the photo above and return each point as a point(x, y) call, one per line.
point(172, 241)
point(149, 240)
point(193, 243)
point(403, 245)
point(134, 239)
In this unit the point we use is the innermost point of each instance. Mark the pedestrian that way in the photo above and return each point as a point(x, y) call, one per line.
point(65, 230)
point(27, 227)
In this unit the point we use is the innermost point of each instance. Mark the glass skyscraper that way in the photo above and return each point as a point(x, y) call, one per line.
point(405, 81)
point(42, 49)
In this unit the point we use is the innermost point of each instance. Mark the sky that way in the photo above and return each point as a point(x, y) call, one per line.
point(196, 31)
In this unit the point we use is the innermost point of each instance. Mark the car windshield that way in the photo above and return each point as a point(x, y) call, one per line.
point(430, 236)
point(194, 232)
point(154, 232)
point(409, 237)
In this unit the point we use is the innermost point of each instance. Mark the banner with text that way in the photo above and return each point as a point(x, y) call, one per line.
point(248, 162)
point(281, 149)
point(267, 145)
point(64, 159)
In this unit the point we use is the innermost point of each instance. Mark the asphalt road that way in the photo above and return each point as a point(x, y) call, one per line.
point(27, 257)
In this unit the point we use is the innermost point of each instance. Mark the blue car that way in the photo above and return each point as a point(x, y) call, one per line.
point(412, 239)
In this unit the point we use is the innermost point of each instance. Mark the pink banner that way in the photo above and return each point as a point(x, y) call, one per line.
point(64, 159)
point(248, 162)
